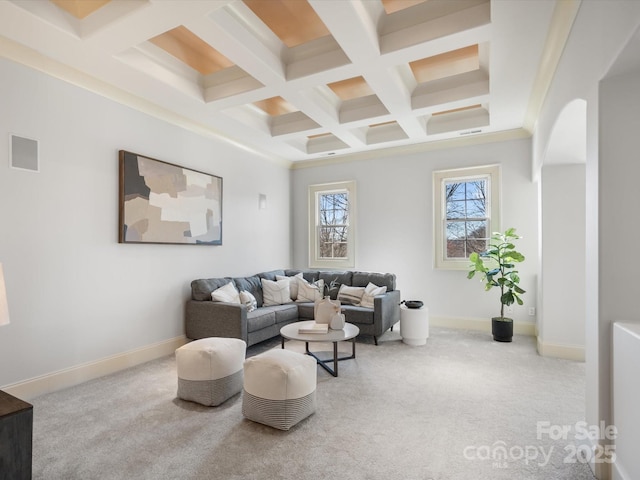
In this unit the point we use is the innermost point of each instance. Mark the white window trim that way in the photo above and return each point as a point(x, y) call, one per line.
point(315, 261)
point(439, 205)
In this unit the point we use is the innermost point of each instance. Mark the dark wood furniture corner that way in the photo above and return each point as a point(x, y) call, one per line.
point(16, 438)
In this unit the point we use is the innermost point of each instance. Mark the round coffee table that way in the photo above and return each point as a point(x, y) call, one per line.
point(349, 332)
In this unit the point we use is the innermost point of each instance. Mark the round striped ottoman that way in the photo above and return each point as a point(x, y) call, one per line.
point(279, 388)
point(210, 370)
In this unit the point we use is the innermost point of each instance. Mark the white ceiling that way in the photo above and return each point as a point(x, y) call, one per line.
point(109, 52)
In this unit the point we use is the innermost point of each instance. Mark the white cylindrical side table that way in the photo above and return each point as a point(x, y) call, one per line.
point(414, 325)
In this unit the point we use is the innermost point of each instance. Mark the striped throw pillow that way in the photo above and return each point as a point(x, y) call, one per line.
point(350, 295)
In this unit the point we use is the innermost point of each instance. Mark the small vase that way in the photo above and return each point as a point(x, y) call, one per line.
point(337, 322)
point(325, 309)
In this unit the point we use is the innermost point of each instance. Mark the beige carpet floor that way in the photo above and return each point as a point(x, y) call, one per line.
point(460, 408)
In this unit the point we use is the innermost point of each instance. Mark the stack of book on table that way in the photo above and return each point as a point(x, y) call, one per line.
point(314, 328)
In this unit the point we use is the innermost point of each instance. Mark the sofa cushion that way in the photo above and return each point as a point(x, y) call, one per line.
point(309, 275)
point(306, 310)
point(251, 285)
point(358, 315)
point(286, 313)
point(334, 280)
point(201, 289)
point(271, 275)
point(260, 318)
point(362, 279)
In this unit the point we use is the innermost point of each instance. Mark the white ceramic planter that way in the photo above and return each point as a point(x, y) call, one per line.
point(414, 325)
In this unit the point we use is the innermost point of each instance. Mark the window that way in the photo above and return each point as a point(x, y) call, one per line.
point(466, 212)
point(332, 227)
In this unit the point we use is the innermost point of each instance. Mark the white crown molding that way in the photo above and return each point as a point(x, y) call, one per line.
point(562, 20)
point(463, 141)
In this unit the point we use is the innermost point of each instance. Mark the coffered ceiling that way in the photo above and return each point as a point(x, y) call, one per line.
point(301, 80)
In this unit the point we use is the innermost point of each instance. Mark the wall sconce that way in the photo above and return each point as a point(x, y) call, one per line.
point(4, 306)
point(262, 201)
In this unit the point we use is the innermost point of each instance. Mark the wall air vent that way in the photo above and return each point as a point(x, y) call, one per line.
point(470, 132)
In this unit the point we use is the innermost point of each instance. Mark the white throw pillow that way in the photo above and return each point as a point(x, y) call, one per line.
point(369, 292)
point(293, 284)
point(350, 295)
point(247, 298)
point(227, 293)
point(275, 293)
point(309, 292)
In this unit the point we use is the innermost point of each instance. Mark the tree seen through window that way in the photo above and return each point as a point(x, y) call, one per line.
point(334, 224)
point(467, 222)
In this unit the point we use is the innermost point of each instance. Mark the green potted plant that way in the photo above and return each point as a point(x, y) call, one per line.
point(498, 269)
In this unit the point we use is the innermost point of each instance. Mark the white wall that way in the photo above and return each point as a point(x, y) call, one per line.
point(619, 225)
point(599, 33)
point(76, 295)
point(395, 222)
point(562, 326)
point(626, 391)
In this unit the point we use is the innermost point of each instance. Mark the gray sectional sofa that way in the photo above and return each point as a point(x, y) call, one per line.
point(206, 318)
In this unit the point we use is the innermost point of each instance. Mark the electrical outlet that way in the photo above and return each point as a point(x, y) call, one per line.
point(508, 310)
point(532, 311)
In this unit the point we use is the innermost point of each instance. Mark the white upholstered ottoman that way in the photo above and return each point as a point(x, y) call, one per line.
point(210, 370)
point(279, 388)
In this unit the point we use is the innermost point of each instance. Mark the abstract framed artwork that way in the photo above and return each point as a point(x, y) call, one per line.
point(164, 203)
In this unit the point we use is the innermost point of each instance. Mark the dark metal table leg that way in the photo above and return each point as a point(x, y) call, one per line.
point(324, 363)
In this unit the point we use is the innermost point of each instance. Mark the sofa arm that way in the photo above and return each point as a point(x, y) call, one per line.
point(386, 311)
point(215, 319)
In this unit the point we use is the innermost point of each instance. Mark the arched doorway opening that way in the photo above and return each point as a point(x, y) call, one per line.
point(561, 304)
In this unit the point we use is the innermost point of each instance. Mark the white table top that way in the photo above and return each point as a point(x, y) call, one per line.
point(290, 331)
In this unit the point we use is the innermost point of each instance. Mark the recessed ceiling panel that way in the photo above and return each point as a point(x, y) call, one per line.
point(362, 108)
point(392, 6)
point(434, 20)
point(466, 121)
point(272, 75)
point(80, 8)
point(324, 143)
point(318, 135)
point(446, 64)
point(466, 88)
point(351, 88)
point(294, 22)
point(192, 50)
point(385, 132)
point(294, 123)
point(461, 109)
point(275, 106)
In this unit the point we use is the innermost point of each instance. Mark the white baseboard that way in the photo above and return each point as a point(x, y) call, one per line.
point(69, 377)
point(568, 352)
point(480, 324)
